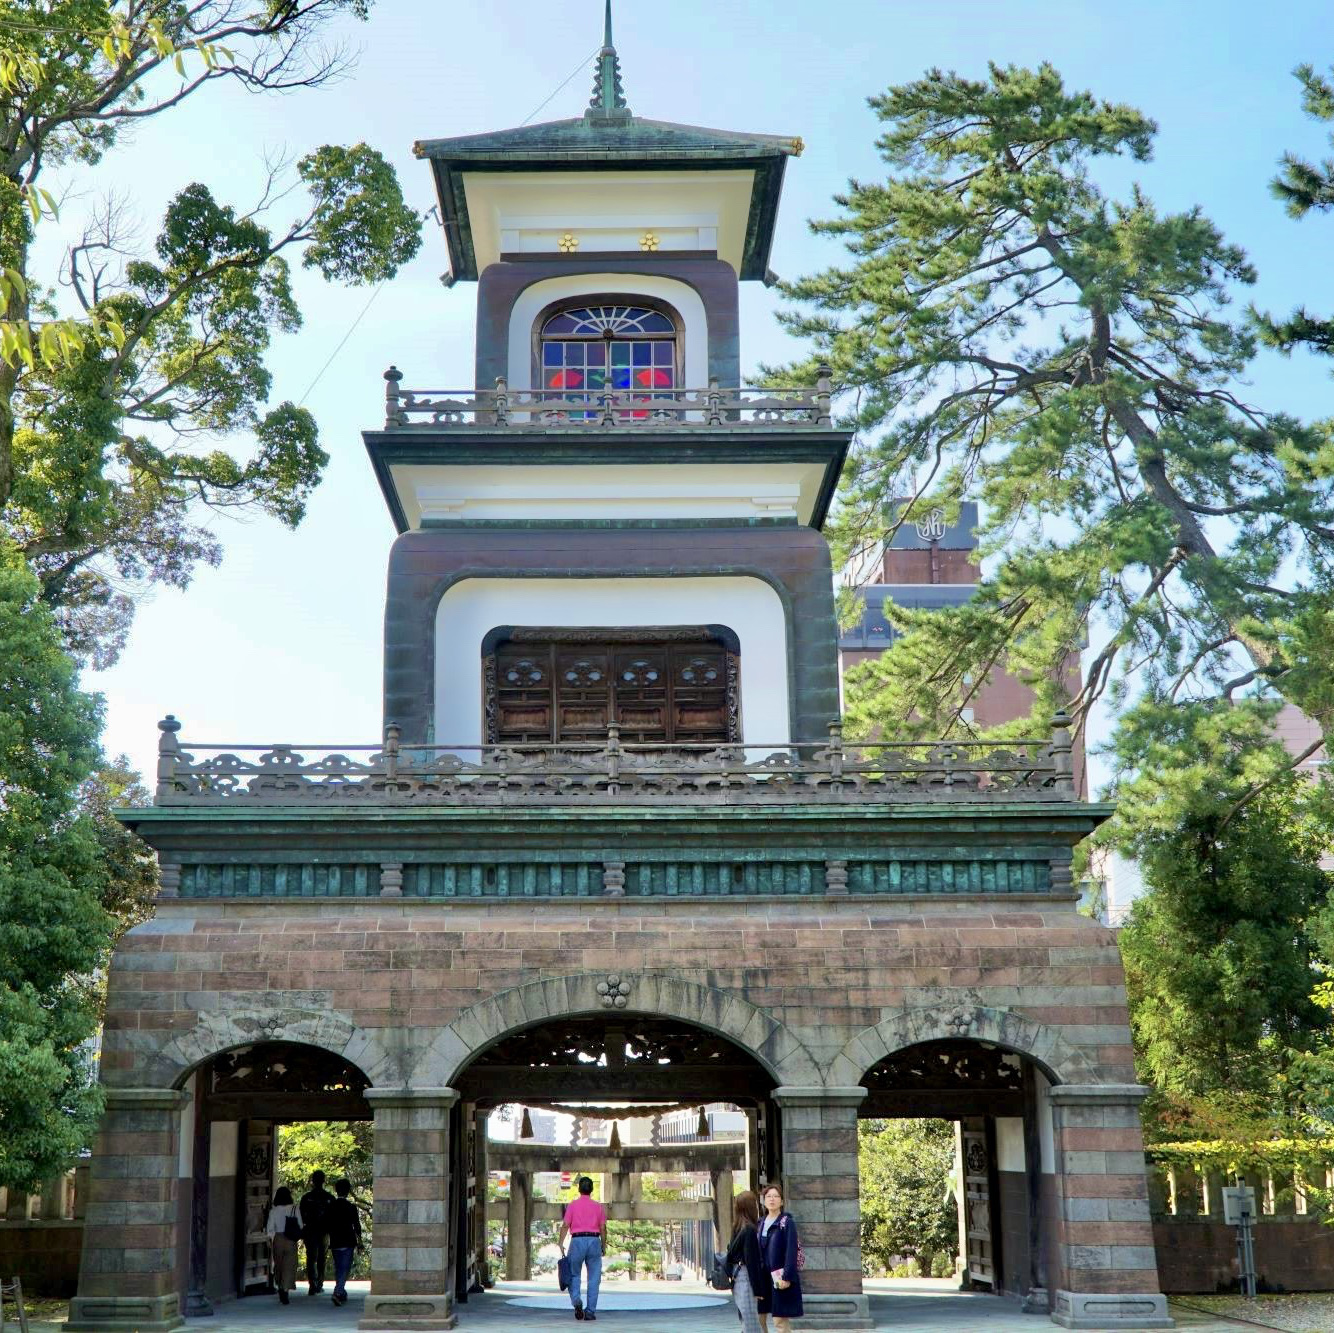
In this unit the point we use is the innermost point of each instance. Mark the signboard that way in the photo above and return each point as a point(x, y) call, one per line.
point(1238, 1202)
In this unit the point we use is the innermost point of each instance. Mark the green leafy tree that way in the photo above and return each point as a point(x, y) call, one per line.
point(1008, 333)
point(54, 930)
point(112, 427)
point(639, 1242)
point(907, 1206)
point(1218, 959)
point(130, 869)
point(338, 1148)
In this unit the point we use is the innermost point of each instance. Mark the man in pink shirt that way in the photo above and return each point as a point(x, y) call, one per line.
point(585, 1222)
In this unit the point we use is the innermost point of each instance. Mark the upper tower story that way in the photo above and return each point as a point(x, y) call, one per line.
point(608, 252)
point(601, 210)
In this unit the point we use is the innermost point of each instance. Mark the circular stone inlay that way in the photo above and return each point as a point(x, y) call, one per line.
point(622, 1300)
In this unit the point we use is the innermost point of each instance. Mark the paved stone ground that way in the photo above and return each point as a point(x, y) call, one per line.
point(898, 1307)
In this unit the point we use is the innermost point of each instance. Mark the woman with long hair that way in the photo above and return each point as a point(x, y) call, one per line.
point(750, 1282)
point(780, 1248)
point(284, 1227)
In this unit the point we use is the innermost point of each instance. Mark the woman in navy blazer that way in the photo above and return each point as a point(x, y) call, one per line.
point(778, 1242)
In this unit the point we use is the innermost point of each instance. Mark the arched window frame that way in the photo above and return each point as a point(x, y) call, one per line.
point(589, 300)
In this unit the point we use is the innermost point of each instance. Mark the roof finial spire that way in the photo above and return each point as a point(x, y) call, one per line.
point(608, 93)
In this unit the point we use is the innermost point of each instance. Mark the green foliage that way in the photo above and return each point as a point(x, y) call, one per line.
point(128, 864)
point(907, 1204)
point(1007, 333)
point(1219, 958)
point(54, 931)
point(338, 1148)
point(115, 444)
point(639, 1242)
point(1304, 187)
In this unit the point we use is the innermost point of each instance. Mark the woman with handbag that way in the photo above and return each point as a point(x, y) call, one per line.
point(782, 1258)
point(284, 1228)
point(750, 1281)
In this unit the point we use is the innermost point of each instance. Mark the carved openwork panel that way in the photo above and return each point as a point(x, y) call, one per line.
point(948, 1066)
point(582, 1043)
point(659, 686)
point(283, 1067)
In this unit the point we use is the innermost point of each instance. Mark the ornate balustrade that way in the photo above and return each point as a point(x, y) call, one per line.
point(615, 772)
point(503, 408)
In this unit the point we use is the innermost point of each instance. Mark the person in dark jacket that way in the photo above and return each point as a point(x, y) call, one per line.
point(344, 1224)
point(750, 1282)
point(314, 1212)
point(778, 1244)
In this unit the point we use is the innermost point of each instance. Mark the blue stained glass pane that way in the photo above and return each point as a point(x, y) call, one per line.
point(653, 322)
point(596, 379)
point(620, 377)
point(662, 354)
point(597, 354)
point(643, 353)
point(551, 354)
point(620, 354)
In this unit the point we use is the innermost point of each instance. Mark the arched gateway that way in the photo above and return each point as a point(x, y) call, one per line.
point(612, 790)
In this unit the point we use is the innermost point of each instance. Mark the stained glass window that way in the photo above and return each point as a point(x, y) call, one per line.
point(594, 348)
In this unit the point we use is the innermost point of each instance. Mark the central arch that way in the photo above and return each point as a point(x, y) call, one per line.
point(650, 994)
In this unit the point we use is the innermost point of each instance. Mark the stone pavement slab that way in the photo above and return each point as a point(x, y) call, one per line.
point(515, 1307)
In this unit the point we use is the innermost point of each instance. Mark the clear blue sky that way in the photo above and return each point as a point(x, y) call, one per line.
point(283, 642)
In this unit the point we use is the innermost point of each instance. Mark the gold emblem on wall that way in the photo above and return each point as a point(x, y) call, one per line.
point(568, 243)
point(648, 241)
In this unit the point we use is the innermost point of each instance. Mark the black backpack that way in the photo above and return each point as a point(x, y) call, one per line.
point(721, 1277)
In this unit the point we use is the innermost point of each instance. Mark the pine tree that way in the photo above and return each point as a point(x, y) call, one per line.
point(1008, 333)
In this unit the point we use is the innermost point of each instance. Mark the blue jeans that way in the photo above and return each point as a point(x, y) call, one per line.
point(342, 1267)
point(585, 1250)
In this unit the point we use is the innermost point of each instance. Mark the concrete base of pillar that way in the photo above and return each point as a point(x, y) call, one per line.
point(132, 1314)
point(408, 1312)
point(1036, 1302)
point(1123, 1309)
point(835, 1312)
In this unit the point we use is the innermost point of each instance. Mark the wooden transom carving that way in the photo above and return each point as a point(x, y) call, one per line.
point(677, 685)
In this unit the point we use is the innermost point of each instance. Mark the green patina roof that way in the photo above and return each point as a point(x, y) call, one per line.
point(608, 137)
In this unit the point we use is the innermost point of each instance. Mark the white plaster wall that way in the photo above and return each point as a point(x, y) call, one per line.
point(679, 295)
point(1046, 1128)
point(223, 1142)
point(473, 607)
point(1009, 1143)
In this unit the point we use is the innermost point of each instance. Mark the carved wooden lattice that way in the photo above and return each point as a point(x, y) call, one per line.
point(947, 1066)
point(657, 685)
point(583, 1043)
point(284, 1067)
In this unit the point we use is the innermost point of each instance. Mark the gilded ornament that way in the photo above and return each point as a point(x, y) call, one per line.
point(648, 241)
point(568, 243)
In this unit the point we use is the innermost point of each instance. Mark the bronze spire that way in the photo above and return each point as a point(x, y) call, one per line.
point(608, 93)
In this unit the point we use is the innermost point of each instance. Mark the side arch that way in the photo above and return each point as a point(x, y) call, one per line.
point(1059, 1059)
point(655, 994)
point(218, 1030)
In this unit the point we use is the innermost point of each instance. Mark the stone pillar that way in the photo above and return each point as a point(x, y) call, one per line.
point(723, 1191)
point(519, 1228)
point(53, 1198)
point(412, 1273)
point(819, 1163)
point(18, 1204)
point(128, 1277)
point(1107, 1271)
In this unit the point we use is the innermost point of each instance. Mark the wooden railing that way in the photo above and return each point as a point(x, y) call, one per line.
point(503, 408)
point(826, 771)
